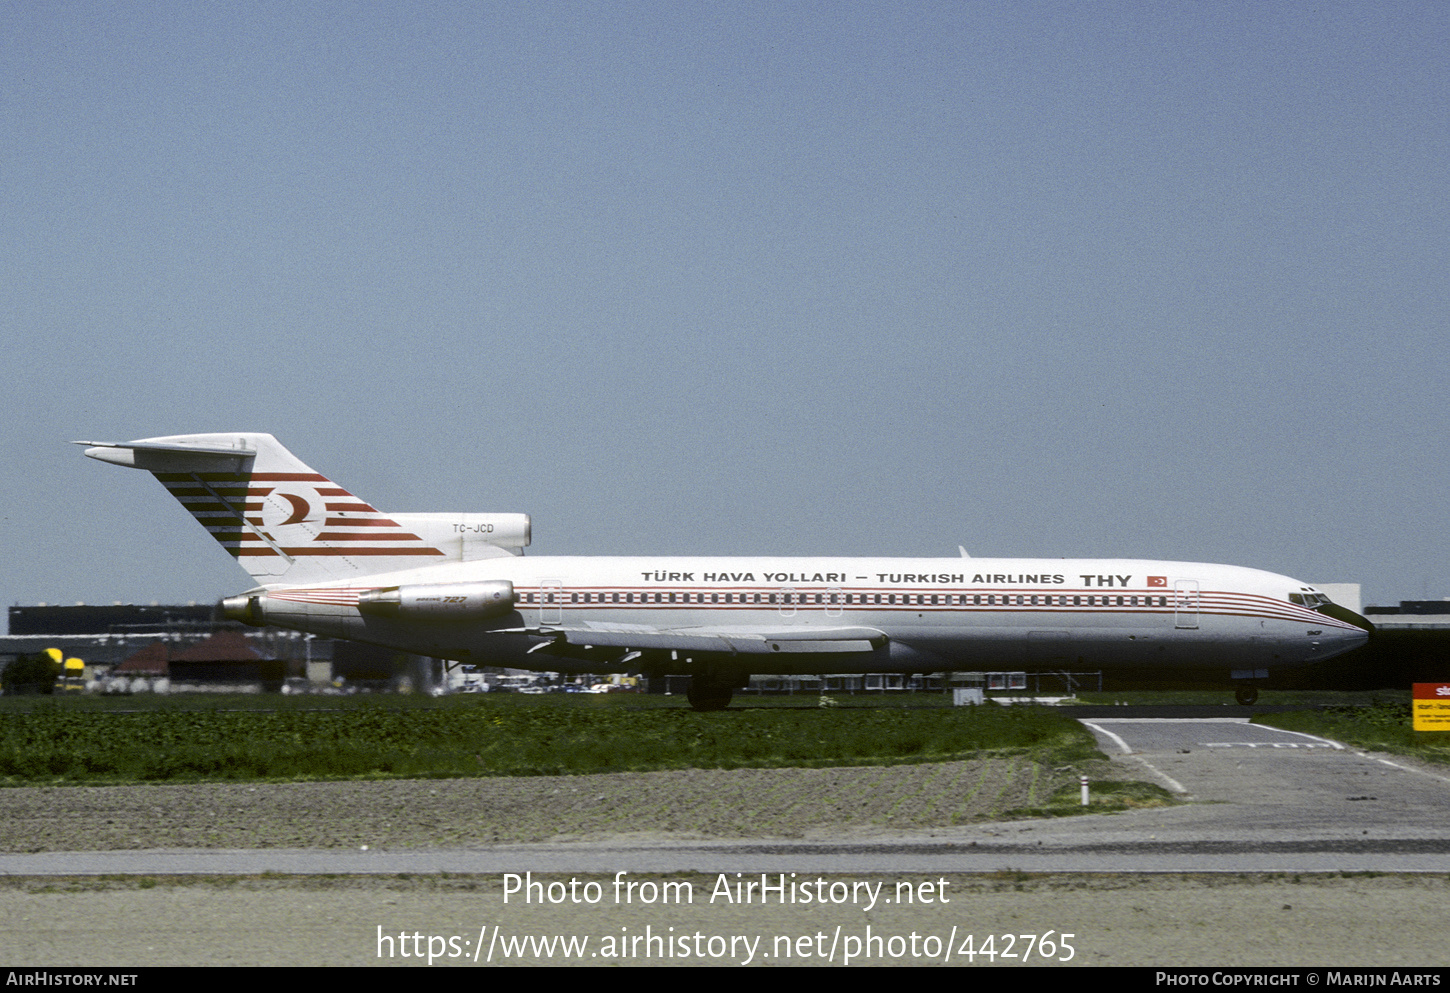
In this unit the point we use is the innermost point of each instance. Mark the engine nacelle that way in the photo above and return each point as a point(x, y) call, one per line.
point(244, 608)
point(440, 601)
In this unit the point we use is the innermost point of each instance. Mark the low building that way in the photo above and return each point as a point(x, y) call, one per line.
point(191, 647)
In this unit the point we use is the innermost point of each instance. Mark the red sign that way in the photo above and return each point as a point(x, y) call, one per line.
point(1431, 707)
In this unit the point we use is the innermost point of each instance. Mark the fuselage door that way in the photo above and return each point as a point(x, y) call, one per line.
point(1185, 603)
point(551, 601)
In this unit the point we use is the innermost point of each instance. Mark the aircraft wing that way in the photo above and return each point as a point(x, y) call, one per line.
point(725, 640)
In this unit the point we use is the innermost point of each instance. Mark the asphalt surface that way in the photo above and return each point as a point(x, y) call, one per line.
point(1259, 800)
point(1290, 851)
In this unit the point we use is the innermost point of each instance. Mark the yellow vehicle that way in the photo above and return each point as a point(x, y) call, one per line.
point(72, 678)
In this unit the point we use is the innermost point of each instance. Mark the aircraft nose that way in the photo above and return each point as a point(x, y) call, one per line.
point(1346, 615)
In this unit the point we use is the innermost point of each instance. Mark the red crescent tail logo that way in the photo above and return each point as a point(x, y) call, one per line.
point(300, 508)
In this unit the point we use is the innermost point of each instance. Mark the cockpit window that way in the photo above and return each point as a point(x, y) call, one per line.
point(1309, 599)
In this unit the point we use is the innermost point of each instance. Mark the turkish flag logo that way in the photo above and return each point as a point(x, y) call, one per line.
point(1157, 580)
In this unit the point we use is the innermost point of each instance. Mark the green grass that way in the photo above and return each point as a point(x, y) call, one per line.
point(93, 740)
point(194, 702)
point(220, 702)
point(1105, 796)
point(1382, 727)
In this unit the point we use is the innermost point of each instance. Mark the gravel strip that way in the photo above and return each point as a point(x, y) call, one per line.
point(689, 804)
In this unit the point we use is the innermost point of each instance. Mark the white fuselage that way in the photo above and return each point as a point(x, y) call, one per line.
point(586, 613)
point(332, 564)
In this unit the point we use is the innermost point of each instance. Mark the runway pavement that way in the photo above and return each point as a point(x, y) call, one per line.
point(1259, 800)
point(1291, 850)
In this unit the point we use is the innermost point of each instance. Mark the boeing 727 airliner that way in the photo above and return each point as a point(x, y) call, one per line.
point(457, 586)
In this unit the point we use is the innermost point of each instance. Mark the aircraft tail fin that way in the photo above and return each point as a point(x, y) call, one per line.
point(279, 518)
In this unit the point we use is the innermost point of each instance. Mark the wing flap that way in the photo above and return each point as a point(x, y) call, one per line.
point(731, 641)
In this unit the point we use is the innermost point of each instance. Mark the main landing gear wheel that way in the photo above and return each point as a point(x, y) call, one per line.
point(708, 696)
point(1246, 695)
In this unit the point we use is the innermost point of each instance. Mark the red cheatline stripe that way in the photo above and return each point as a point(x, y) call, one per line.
point(236, 498)
point(360, 522)
point(349, 552)
point(221, 508)
point(1212, 602)
point(332, 491)
point(210, 501)
point(333, 507)
point(207, 477)
point(242, 477)
point(353, 551)
point(345, 536)
point(181, 492)
point(346, 597)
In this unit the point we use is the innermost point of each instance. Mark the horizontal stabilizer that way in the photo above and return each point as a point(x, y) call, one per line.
point(170, 457)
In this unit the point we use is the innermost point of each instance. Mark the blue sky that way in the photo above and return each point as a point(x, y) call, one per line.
point(1161, 280)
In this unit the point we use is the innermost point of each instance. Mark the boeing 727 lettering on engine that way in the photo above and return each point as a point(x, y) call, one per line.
point(458, 587)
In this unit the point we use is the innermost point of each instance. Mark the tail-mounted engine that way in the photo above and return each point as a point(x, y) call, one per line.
point(440, 601)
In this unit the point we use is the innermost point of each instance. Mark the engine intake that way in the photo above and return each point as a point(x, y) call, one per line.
point(244, 608)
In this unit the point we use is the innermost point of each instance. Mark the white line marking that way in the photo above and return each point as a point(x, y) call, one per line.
point(1268, 744)
point(1406, 768)
point(1165, 720)
point(1108, 734)
point(1311, 737)
point(1173, 785)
